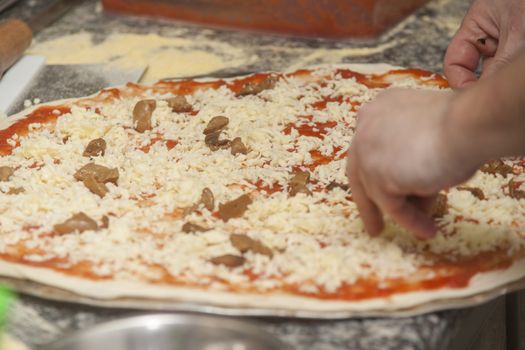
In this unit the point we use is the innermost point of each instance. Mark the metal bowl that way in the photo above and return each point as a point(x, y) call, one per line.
point(171, 332)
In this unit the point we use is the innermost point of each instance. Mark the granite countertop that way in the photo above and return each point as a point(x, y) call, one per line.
point(419, 41)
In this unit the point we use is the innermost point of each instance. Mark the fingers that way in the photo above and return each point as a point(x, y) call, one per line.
point(461, 61)
point(510, 46)
point(409, 212)
point(492, 65)
point(370, 213)
point(425, 204)
point(410, 215)
point(463, 55)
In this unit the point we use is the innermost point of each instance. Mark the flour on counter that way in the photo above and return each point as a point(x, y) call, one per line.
point(9, 343)
point(164, 56)
point(323, 55)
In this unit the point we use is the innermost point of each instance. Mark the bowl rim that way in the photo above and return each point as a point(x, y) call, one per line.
point(251, 328)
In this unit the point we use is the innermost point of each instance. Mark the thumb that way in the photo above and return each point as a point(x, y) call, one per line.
point(492, 65)
point(510, 45)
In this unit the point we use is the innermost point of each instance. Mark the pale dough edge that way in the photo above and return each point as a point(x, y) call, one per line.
point(102, 289)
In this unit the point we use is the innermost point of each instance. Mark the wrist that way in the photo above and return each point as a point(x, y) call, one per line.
point(486, 120)
point(464, 135)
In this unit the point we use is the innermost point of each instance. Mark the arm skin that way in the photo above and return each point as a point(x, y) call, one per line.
point(492, 33)
point(410, 144)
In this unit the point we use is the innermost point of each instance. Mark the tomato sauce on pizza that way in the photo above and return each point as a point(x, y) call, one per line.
point(236, 185)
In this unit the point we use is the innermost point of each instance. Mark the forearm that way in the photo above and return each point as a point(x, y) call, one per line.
point(487, 120)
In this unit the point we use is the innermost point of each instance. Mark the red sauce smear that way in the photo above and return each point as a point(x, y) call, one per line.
point(170, 144)
point(320, 105)
point(375, 81)
point(322, 159)
point(44, 114)
point(318, 129)
point(268, 189)
point(453, 275)
point(447, 275)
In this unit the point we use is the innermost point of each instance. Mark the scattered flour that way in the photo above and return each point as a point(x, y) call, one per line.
point(9, 343)
point(164, 56)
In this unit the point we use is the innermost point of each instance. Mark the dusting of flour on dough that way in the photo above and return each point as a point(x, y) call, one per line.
point(164, 56)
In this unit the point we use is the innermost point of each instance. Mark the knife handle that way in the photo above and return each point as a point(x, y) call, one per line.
point(15, 38)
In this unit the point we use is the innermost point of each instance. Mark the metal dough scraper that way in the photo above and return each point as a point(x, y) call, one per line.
point(28, 78)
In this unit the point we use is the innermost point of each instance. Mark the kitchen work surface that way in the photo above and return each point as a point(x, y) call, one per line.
point(87, 35)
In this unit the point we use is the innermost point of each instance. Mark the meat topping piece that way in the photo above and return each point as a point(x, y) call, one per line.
point(216, 124)
point(298, 183)
point(229, 260)
point(105, 221)
point(300, 178)
point(179, 104)
point(190, 228)
point(235, 208)
point(6, 172)
point(16, 190)
point(237, 146)
point(497, 167)
point(207, 199)
point(100, 173)
point(298, 188)
point(333, 185)
point(440, 207)
point(475, 191)
point(95, 148)
point(213, 142)
point(514, 190)
point(255, 87)
point(98, 188)
point(245, 243)
point(191, 209)
point(79, 222)
point(142, 115)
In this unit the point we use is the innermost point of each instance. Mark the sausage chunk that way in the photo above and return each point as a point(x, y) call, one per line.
point(497, 167)
point(6, 172)
point(298, 183)
point(229, 260)
point(440, 207)
point(238, 147)
point(255, 87)
point(235, 208)
point(475, 191)
point(245, 243)
point(216, 124)
point(142, 115)
point(79, 222)
point(179, 104)
point(95, 148)
point(100, 173)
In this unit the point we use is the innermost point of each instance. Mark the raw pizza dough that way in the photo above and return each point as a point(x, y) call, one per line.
point(137, 293)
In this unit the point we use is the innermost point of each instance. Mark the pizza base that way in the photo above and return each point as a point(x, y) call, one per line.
point(125, 294)
point(141, 295)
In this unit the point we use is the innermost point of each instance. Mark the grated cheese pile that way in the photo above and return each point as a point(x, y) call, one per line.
point(318, 241)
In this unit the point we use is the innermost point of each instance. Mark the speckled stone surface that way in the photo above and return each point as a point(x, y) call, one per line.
point(419, 41)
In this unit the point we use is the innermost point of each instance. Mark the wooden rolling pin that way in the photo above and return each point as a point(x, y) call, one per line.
point(15, 38)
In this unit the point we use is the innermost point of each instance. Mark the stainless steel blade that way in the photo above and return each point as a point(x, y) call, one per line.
point(56, 82)
point(51, 13)
point(4, 4)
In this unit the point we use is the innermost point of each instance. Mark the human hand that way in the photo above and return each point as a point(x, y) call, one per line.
point(493, 32)
point(402, 156)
